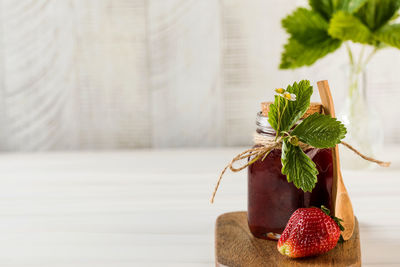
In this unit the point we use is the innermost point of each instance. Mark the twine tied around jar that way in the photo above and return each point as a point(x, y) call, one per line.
point(264, 145)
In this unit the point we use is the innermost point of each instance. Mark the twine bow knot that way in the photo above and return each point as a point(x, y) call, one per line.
point(264, 145)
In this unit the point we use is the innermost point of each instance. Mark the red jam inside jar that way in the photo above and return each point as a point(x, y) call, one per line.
point(272, 199)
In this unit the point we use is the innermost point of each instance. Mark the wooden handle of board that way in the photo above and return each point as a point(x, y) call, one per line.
point(341, 204)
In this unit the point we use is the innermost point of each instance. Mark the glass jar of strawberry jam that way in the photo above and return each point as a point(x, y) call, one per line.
point(271, 198)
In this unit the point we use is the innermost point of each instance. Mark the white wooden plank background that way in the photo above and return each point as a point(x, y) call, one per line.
point(84, 74)
point(186, 97)
point(37, 74)
point(112, 74)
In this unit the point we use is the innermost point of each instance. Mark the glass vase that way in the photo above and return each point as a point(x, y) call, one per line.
point(363, 123)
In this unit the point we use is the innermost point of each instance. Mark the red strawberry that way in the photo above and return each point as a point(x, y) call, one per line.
point(310, 231)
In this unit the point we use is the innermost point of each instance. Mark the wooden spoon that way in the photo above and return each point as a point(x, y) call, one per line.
point(342, 207)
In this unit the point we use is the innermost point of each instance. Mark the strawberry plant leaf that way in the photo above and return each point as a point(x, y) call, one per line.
point(294, 109)
point(376, 13)
point(328, 7)
point(346, 27)
point(321, 131)
point(309, 39)
point(306, 26)
point(297, 55)
point(323, 7)
point(389, 34)
point(353, 5)
point(298, 167)
point(360, 21)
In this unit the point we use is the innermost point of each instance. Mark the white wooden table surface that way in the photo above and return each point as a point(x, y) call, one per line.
point(150, 208)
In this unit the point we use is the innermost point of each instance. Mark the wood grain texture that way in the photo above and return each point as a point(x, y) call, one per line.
point(37, 77)
point(236, 246)
point(74, 75)
point(313, 108)
point(121, 208)
point(343, 208)
point(84, 74)
point(112, 94)
point(184, 55)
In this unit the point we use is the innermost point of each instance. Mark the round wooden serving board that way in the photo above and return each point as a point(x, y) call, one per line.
point(235, 246)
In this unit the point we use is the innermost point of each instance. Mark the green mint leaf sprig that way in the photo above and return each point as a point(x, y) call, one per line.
point(317, 130)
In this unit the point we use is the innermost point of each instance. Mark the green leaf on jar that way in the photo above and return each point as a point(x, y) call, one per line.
point(298, 167)
point(294, 109)
point(321, 131)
